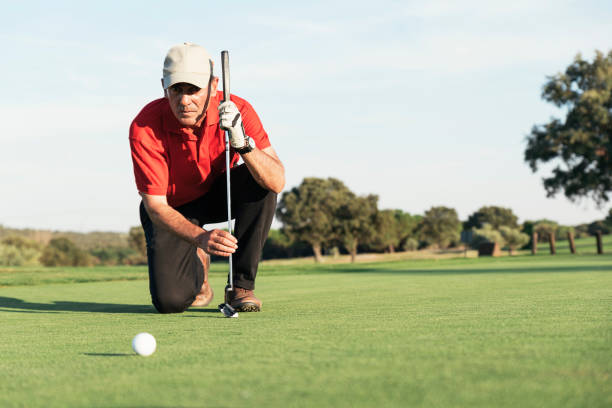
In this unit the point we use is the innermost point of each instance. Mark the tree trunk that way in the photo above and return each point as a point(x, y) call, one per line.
point(570, 238)
point(391, 249)
point(316, 248)
point(599, 243)
point(534, 243)
point(551, 241)
point(353, 251)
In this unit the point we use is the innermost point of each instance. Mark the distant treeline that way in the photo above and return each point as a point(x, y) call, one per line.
point(328, 216)
point(320, 216)
point(29, 247)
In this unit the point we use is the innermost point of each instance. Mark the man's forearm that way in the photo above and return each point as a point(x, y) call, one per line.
point(266, 169)
point(172, 220)
point(215, 242)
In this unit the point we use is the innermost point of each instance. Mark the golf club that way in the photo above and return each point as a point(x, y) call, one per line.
point(225, 308)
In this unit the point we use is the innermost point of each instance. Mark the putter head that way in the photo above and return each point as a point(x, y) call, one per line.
point(228, 310)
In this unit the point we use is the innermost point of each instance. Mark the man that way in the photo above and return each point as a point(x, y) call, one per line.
point(178, 152)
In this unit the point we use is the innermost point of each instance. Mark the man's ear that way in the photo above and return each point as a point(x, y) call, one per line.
point(165, 90)
point(213, 85)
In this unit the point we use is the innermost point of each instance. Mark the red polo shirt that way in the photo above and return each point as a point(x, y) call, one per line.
point(174, 161)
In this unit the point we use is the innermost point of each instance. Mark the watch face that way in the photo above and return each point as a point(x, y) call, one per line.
point(251, 143)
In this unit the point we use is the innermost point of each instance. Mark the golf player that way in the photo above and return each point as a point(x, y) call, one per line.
point(178, 153)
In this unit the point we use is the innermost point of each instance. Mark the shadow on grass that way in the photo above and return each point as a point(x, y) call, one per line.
point(63, 306)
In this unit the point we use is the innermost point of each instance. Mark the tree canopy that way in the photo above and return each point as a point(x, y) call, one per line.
point(354, 221)
point(581, 143)
point(394, 228)
point(440, 226)
point(496, 217)
point(513, 238)
point(486, 234)
point(307, 211)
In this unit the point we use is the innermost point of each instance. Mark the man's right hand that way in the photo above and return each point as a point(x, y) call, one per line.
point(217, 242)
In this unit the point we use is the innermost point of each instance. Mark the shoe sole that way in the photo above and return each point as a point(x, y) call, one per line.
point(247, 307)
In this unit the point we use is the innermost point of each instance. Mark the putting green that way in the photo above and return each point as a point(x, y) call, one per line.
point(522, 331)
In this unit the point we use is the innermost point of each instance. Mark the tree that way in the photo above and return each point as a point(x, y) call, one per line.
point(581, 231)
point(387, 230)
point(307, 211)
point(407, 229)
point(354, 221)
point(563, 231)
point(599, 226)
point(545, 230)
point(542, 227)
point(492, 215)
point(513, 238)
point(581, 143)
point(440, 226)
point(608, 219)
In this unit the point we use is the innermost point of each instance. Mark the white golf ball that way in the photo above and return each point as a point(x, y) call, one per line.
point(144, 344)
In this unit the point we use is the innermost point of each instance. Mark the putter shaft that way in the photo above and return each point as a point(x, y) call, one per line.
point(226, 97)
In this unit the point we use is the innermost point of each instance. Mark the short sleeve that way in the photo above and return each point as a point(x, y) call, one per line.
point(149, 159)
point(253, 127)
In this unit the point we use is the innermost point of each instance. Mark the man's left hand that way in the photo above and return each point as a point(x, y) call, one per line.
point(230, 120)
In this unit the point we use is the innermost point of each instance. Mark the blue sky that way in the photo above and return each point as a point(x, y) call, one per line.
point(423, 103)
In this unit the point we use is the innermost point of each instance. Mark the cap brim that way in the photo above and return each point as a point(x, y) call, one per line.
point(199, 80)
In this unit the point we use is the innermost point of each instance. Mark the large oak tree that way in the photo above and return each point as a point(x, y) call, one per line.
point(308, 211)
point(581, 143)
point(440, 226)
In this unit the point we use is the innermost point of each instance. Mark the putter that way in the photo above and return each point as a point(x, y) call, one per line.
point(225, 308)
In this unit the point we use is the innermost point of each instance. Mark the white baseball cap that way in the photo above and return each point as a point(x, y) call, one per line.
point(188, 63)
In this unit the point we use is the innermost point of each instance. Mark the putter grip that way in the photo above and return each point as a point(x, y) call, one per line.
point(225, 73)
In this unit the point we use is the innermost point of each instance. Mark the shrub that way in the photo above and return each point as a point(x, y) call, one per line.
point(19, 251)
point(410, 244)
point(486, 234)
point(63, 252)
point(513, 238)
point(117, 256)
point(11, 255)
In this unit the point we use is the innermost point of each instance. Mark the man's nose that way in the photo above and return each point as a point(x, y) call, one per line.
point(185, 99)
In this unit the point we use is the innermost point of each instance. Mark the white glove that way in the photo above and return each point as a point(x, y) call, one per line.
point(230, 119)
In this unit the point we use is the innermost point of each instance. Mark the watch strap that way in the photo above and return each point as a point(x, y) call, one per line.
point(248, 145)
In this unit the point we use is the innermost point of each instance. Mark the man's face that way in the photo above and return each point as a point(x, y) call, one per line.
point(187, 102)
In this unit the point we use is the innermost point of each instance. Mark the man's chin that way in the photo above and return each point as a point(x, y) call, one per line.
point(187, 121)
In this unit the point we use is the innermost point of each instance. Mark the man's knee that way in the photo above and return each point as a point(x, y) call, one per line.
point(172, 302)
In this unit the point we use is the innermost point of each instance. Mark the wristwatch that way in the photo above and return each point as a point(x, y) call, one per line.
point(248, 146)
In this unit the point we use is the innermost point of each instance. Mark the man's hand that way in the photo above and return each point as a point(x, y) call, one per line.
point(217, 242)
point(230, 119)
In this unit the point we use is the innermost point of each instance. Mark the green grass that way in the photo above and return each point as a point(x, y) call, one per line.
point(504, 332)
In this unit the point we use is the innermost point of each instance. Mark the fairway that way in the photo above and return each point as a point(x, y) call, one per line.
point(504, 332)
